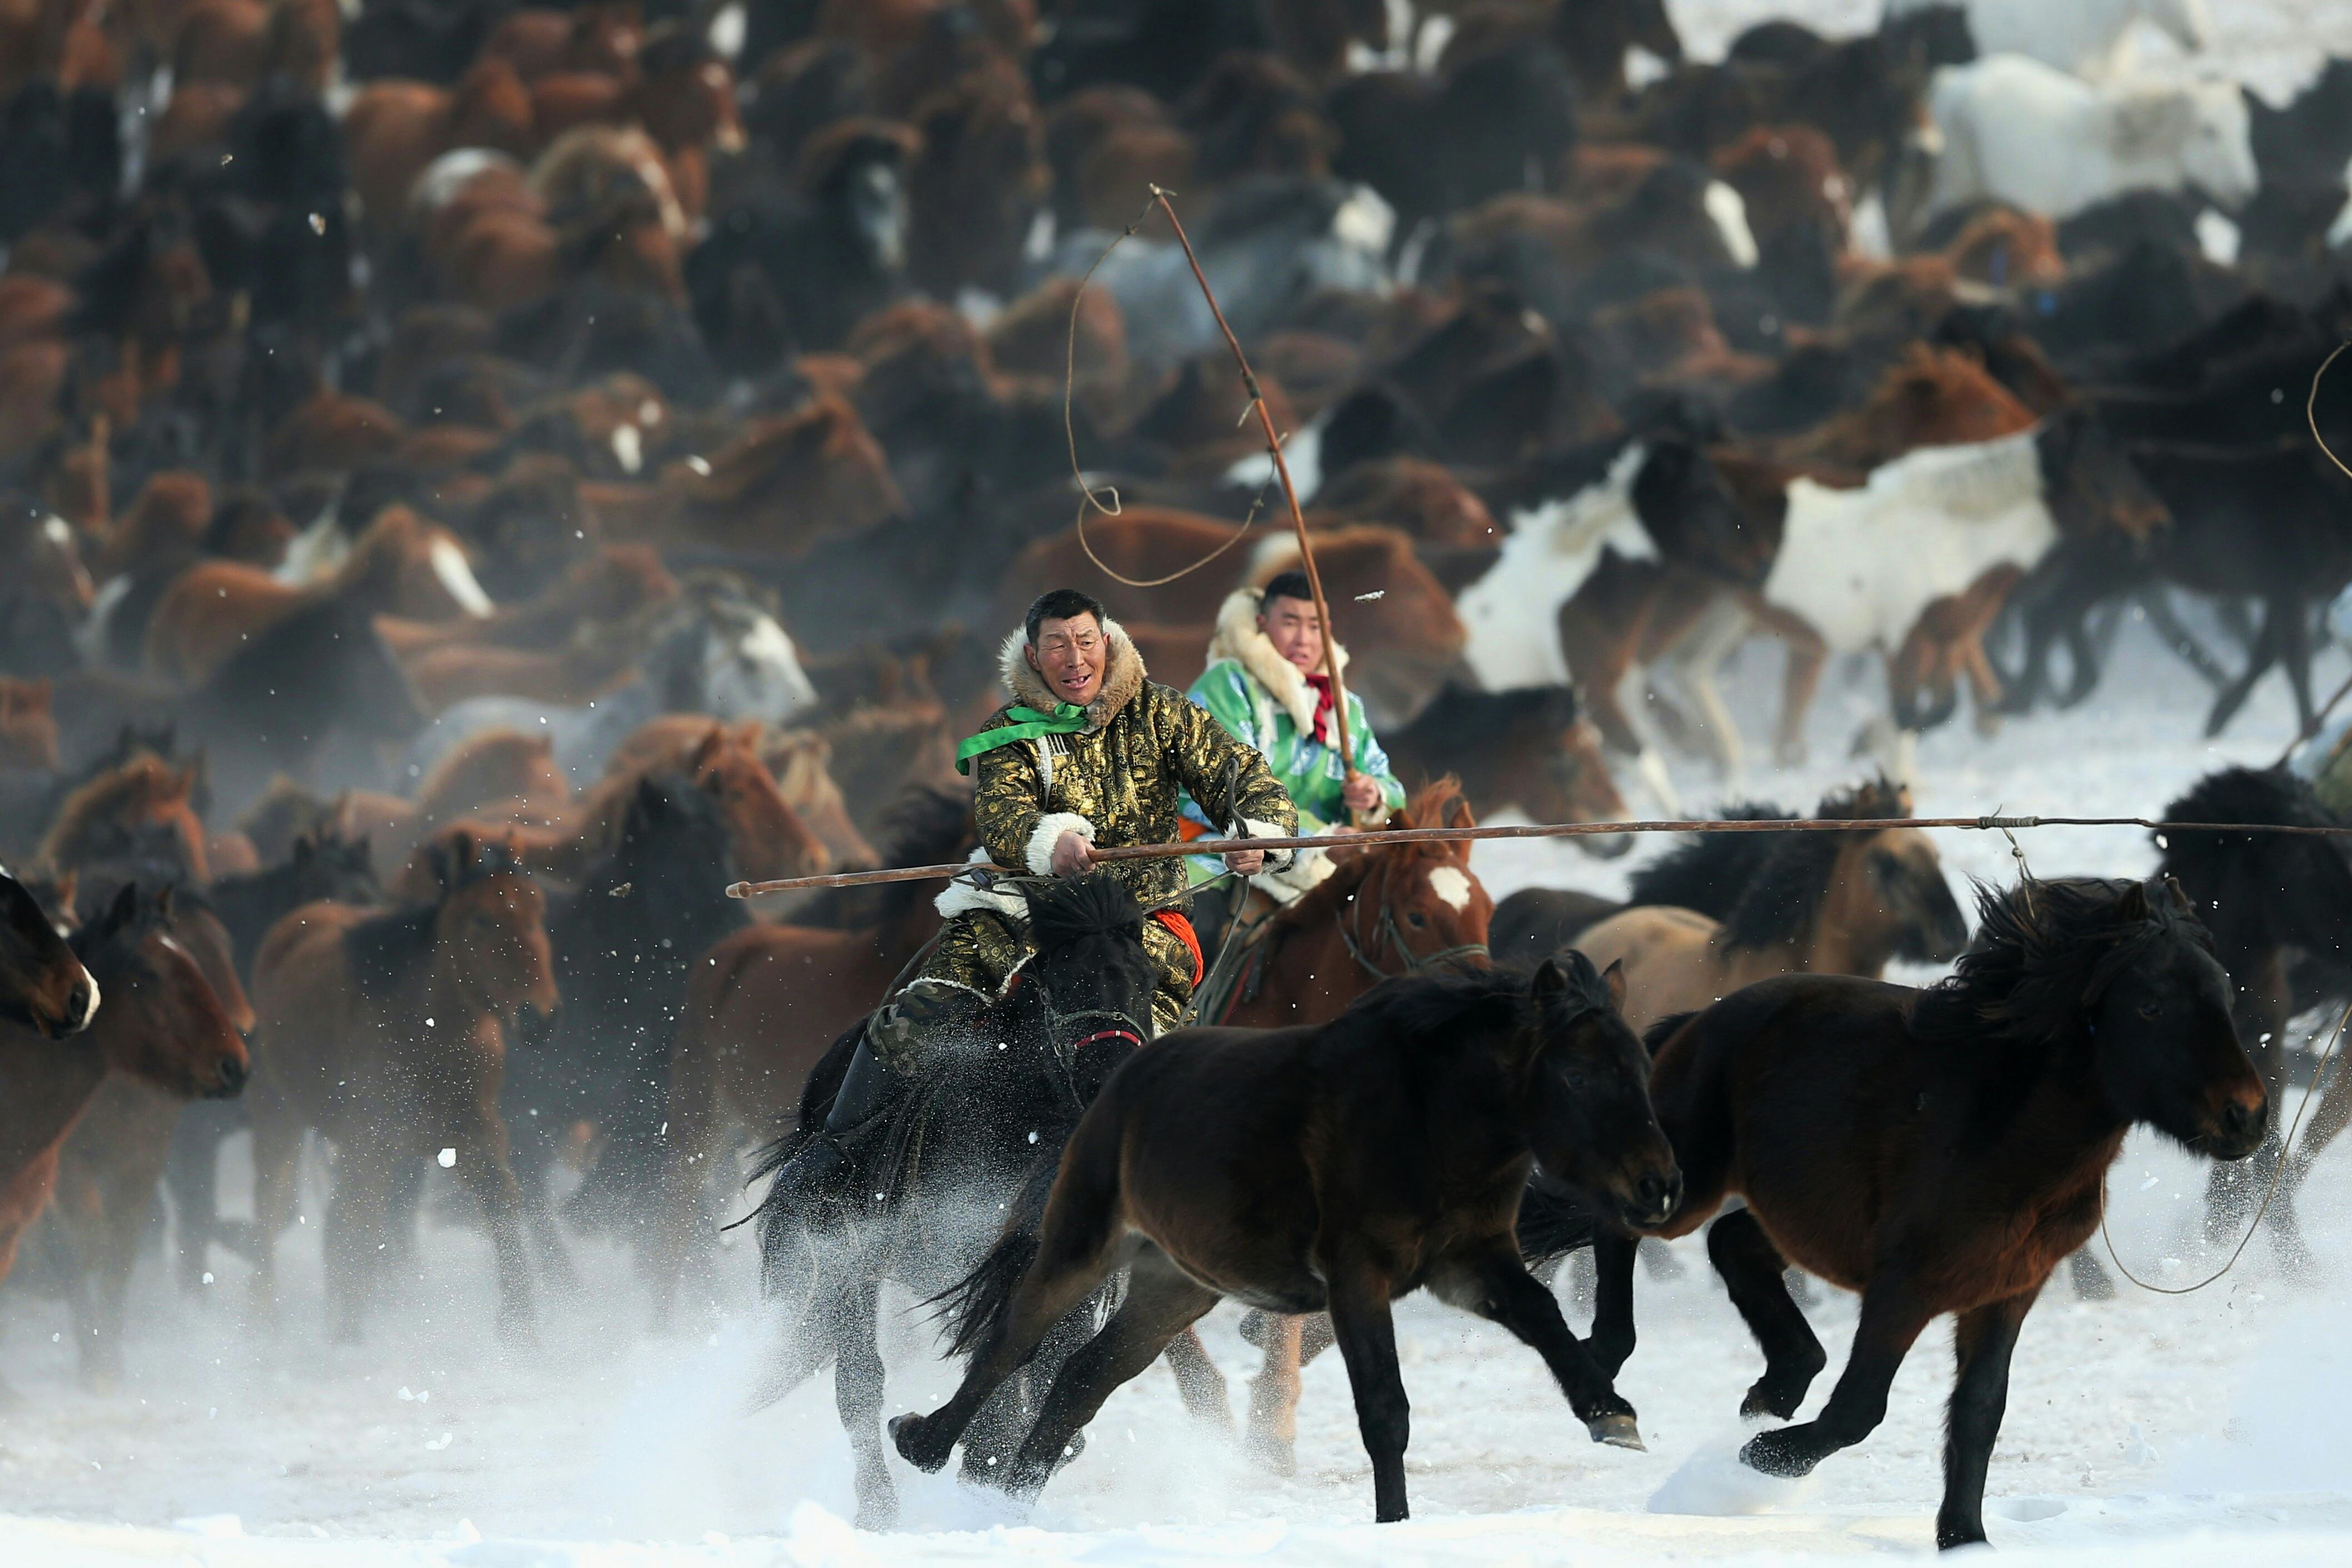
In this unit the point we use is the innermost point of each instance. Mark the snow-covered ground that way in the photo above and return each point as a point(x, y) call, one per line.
point(2148, 1430)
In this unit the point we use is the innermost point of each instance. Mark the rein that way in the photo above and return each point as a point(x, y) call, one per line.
point(1393, 935)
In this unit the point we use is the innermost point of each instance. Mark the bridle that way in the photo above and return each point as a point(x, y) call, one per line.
point(1390, 932)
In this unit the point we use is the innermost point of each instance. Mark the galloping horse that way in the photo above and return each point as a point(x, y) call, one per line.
point(1339, 1165)
point(1939, 1151)
point(987, 1120)
point(765, 1003)
point(161, 1024)
point(383, 1031)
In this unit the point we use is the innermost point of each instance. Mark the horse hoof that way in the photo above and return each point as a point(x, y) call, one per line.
point(1772, 1454)
point(1276, 1455)
point(910, 1435)
point(1254, 1327)
point(1619, 1431)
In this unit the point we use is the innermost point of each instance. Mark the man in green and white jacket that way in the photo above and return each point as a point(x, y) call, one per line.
point(1264, 684)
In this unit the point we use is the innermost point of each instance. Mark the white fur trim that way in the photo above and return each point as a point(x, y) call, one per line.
point(1237, 638)
point(1276, 860)
point(1050, 827)
point(963, 897)
point(1305, 871)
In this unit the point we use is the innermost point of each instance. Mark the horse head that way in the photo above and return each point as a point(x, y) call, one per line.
point(1587, 1095)
point(1091, 973)
point(162, 1022)
point(769, 838)
point(42, 984)
point(1407, 906)
point(490, 929)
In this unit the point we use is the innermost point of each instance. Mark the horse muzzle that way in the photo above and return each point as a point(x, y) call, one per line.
point(2236, 1129)
point(231, 1081)
point(1651, 1198)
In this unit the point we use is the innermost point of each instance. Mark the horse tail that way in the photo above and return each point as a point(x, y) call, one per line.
point(973, 1309)
point(1552, 1223)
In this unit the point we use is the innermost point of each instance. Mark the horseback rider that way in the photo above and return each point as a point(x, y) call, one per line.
point(1090, 753)
point(1265, 684)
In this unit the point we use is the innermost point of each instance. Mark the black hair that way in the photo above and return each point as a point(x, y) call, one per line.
point(1287, 585)
point(1061, 604)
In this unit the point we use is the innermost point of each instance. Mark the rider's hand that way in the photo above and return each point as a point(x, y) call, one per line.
point(1070, 856)
point(1361, 792)
point(1248, 863)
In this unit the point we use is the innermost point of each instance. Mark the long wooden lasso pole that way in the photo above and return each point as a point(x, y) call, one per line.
point(1289, 491)
point(1535, 831)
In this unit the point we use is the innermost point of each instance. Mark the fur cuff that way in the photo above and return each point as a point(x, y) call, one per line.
point(1276, 859)
point(1050, 827)
point(1307, 868)
point(964, 897)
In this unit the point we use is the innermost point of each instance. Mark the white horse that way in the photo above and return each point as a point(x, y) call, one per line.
point(720, 655)
point(1860, 566)
point(2089, 39)
point(2027, 133)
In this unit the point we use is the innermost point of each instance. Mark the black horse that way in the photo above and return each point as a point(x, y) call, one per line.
point(992, 1117)
point(2280, 908)
point(623, 944)
point(1938, 1150)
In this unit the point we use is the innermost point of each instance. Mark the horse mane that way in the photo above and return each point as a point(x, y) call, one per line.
point(145, 781)
point(2207, 860)
point(1063, 912)
point(2042, 949)
point(1428, 1003)
point(1789, 882)
point(1708, 871)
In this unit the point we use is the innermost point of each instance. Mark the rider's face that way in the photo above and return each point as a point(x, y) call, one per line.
point(1071, 656)
point(1296, 634)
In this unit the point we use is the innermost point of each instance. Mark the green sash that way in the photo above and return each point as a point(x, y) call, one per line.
point(1028, 724)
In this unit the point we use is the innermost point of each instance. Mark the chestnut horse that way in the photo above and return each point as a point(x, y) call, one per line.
point(140, 809)
point(1819, 903)
point(113, 1161)
point(162, 1024)
point(385, 1032)
point(1939, 1151)
point(767, 1003)
point(1335, 1167)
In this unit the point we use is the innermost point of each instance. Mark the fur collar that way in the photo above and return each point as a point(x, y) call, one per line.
point(1122, 677)
point(1239, 639)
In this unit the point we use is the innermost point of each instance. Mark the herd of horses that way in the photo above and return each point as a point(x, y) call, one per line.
point(477, 478)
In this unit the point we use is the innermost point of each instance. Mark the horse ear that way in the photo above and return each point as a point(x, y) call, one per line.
point(2181, 903)
point(68, 884)
point(1550, 979)
point(1613, 978)
point(123, 913)
point(305, 850)
point(2133, 905)
point(708, 751)
point(163, 901)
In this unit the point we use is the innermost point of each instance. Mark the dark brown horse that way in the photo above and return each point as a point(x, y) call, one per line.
point(766, 1003)
point(385, 1032)
point(1339, 1168)
point(161, 1024)
point(1939, 1151)
point(43, 985)
point(2280, 908)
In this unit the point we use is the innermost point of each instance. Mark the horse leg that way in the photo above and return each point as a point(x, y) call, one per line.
point(1274, 1396)
point(1199, 1383)
point(2090, 1277)
point(1983, 1341)
point(1696, 660)
point(1801, 679)
point(482, 1144)
point(858, 1383)
point(1076, 1251)
point(1754, 1274)
point(2157, 600)
point(1892, 1317)
point(1497, 1287)
point(1162, 1303)
point(2292, 619)
point(356, 1230)
point(1367, 1337)
point(2259, 660)
point(277, 1168)
point(1612, 1341)
point(191, 1175)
